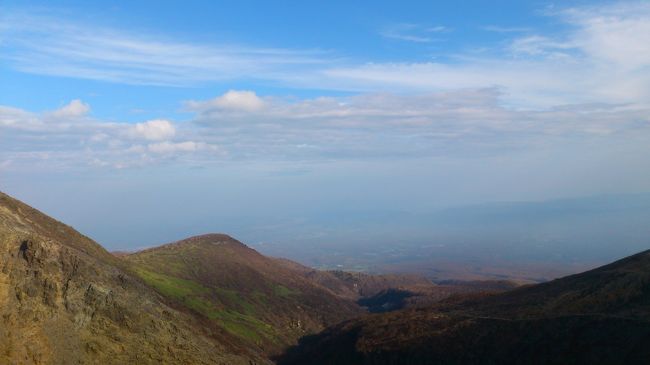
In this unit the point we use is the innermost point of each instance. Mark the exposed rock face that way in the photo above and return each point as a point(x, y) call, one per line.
point(65, 300)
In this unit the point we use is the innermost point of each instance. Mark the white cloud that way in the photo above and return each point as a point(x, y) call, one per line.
point(602, 57)
point(41, 44)
point(589, 84)
point(187, 146)
point(154, 130)
point(233, 100)
point(616, 34)
point(452, 124)
point(437, 29)
point(48, 141)
point(72, 115)
point(15, 118)
point(412, 32)
point(540, 46)
point(525, 83)
point(76, 108)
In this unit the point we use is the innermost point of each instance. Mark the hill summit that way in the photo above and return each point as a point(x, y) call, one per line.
point(64, 300)
point(255, 298)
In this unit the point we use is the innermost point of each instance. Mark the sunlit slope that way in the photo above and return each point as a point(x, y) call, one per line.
point(65, 300)
point(253, 297)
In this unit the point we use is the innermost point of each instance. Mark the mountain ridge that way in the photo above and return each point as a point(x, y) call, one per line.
point(64, 299)
point(227, 282)
point(211, 299)
point(601, 316)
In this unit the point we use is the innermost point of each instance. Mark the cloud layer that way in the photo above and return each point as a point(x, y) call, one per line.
point(585, 86)
point(68, 138)
point(240, 125)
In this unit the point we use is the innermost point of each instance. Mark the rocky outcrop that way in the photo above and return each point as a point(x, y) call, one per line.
point(62, 304)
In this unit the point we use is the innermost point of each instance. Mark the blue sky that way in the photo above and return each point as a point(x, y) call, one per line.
point(278, 109)
point(334, 33)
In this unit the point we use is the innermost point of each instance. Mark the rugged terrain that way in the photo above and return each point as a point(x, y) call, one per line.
point(205, 300)
point(264, 302)
point(598, 317)
point(66, 300)
point(388, 292)
point(212, 300)
point(357, 285)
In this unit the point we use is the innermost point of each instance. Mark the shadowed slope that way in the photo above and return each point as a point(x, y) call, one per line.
point(388, 292)
point(621, 288)
point(597, 317)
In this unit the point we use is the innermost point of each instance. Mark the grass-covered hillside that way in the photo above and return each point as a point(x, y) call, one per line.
point(253, 297)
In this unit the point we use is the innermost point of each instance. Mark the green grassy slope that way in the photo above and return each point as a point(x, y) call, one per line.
point(253, 297)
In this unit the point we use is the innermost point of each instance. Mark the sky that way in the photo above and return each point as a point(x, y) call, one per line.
point(144, 122)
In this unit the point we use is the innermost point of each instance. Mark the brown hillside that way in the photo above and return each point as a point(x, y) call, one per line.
point(255, 298)
point(597, 317)
point(65, 300)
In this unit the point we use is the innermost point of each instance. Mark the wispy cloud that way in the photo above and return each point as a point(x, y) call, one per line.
point(501, 29)
point(542, 46)
point(604, 57)
point(413, 32)
point(45, 45)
